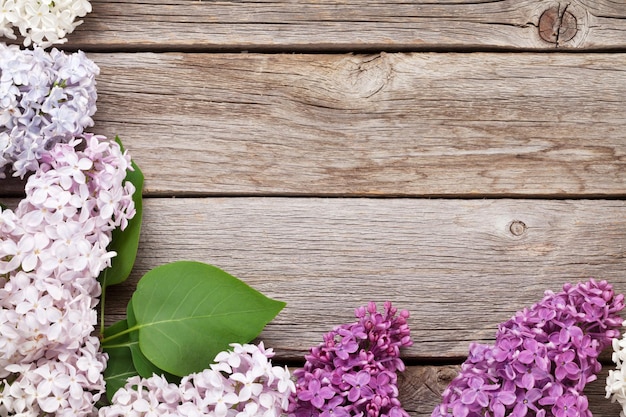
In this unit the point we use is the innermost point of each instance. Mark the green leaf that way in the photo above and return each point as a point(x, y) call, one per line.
point(144, 367)
point(188, 312)
point(120, 364)
point(126, 242)
point(125, 357)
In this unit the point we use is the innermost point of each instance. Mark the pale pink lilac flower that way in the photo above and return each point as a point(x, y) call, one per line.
point(242, 383)
point(45, 98)
point(52, 248)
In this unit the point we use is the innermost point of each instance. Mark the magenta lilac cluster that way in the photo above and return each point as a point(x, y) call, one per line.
point(542, 358)
point(353, 372)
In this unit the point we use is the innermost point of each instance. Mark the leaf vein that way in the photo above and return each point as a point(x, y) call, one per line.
point(206, 316)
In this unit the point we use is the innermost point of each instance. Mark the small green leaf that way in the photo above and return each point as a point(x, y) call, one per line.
point(120, 364)
point(188, 312)
point(126, 242)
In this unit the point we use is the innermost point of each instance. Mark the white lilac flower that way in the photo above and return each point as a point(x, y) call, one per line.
point(243, 382)
point(41, 22)
point(52, 248)
point(45, 98)
point(616, 380)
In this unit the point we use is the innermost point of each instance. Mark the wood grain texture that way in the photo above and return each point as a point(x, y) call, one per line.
point(473, 125)
point(12, 187)
point(457, 265)
point(421, 388)
point(486, 124)
point(526, 149)
point(345, 25)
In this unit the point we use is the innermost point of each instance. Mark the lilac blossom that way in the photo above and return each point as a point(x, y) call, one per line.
point(359, 385)
point(53, 246)
point(542, 358)
point(45, 98)
point(41, 22)
point(353, 372)
point(616, 380)
point(242, 383)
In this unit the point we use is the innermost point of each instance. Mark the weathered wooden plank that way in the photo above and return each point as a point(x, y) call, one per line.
point(352, 25)
point(390, 124)
point(460, 267)
point(421, 387)
point(11, 187)
point(480, 124)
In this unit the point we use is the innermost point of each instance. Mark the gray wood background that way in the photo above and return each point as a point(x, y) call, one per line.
point(454, 157)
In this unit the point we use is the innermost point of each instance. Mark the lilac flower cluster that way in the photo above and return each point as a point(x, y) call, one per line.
point(542, 358)
point(242, 383)
point(52, 249)
point(353, 372)
point(616, 380)
point(41, 22)
point(45, 98)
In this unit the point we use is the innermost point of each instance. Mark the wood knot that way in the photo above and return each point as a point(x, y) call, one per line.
point(445, 376)
point(517, 228)
point(366, 76)
point(557, 25)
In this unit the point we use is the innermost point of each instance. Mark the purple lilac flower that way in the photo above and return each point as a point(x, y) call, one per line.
point(359, 385)
point(542, 358)
point(353, 371)
point(526, 400)
point(316, 393)
point(45, 98)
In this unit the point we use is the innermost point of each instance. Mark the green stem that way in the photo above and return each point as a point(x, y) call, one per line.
point(119, 345)
point(117, 335)
point(102, 299)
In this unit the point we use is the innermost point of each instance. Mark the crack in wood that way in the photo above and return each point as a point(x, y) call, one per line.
point(557, 25)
